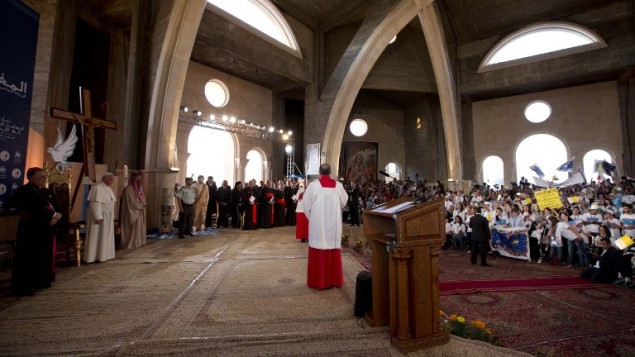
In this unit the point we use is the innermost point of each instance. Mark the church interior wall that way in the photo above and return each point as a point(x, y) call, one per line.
point(385, 127)
point(246, 101)
point(584, 117)
point(405, 65)
point(423, 135)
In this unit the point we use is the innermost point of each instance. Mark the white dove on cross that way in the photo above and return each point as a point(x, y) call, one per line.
point(63, 148)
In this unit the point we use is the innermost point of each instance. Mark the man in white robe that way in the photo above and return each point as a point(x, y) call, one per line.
point(323, 202)
point(100, 221)
point(133, 213)
point(200, 205)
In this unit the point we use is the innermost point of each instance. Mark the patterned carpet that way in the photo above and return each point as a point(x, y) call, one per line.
point(234, 294)
point(569, 321)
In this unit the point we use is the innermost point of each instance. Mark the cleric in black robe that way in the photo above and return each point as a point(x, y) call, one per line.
point(266, 206)
point(289, 192)
point(236, 205)
point(212, 205)
point(279, 209)
point(39, 213)
point(250, 207)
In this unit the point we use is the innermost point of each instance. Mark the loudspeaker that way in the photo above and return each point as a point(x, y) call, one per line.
point(363, 293)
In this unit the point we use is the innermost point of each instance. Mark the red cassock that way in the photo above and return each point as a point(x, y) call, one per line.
point(301, 222)
point(324, 268)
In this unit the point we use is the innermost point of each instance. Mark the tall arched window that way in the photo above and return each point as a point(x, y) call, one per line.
point(211, 154)
point(254, 168)
point(493, 171)
point(588, 163)
point(544, 150)
point(538, 42)
point(393, 170)
point(263, 16)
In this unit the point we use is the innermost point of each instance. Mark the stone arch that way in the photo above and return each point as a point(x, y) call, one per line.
point(167, 89)
point(380, 26)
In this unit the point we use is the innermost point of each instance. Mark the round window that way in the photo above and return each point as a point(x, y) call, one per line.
point(537, 111)
point(216, 93)
point(358, 127)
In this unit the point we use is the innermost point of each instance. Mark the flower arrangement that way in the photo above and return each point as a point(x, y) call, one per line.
point(345, 240)
point(474, 330)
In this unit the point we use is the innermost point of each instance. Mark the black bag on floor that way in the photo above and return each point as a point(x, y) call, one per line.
point(363, 293)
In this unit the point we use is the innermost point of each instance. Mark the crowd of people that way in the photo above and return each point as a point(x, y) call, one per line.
point(569, 236)
point(585, 231)
point(42, 222)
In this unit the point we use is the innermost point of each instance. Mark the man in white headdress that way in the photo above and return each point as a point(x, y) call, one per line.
point(100, 221)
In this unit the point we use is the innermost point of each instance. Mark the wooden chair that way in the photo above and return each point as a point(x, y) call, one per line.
point(68, 237)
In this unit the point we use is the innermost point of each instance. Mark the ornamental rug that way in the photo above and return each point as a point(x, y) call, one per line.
point(581, 319)
point(235, 294)
point(579, 322)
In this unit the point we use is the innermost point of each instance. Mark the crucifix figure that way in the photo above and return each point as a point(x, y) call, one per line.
point(88, 124)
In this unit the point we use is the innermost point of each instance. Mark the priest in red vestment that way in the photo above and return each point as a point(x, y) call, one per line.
point(323, 202)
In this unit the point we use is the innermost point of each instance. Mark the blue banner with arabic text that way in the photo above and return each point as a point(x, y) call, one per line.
point(18, 42)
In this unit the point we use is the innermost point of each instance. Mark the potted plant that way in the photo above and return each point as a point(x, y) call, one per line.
point(345, 240)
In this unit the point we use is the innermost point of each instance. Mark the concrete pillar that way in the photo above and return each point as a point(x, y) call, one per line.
point(167, 89)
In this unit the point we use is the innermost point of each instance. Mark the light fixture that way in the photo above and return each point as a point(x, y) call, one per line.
point(230, 123)
point(288, 148)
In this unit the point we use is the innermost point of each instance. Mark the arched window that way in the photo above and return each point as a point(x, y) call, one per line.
point(263, 16)
point(211, 154)
point(588, 162)
point(493, 171)
point(539, 42)
point(544, 150)
point(254, 167)
point(393, 170)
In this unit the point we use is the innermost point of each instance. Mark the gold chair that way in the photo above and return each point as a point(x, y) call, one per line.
point(67, 234)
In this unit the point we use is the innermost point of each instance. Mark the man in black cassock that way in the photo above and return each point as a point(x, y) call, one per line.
point(289, 191)
point(39, 213)
point(211, 203)
point(266, 206)
point(250, 207)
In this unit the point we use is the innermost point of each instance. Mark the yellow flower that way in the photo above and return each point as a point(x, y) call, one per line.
point(453, 317)
point(480, 324)
point(460, 319)
point(488, 331)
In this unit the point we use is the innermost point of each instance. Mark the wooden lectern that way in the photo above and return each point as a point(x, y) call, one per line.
point(406, 239)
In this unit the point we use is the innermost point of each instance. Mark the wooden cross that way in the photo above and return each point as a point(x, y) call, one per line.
point(88, 124)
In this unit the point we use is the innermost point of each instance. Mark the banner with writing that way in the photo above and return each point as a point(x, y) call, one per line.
point(548, 198)
point(18, 42)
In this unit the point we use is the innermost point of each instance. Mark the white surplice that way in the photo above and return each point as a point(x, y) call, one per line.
point(323, 207)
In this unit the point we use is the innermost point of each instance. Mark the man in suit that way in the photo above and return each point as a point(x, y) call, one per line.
point(605, 269)
point(480, 237)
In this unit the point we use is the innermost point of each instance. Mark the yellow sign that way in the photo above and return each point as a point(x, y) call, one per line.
point(548, 198)
point(624, 242)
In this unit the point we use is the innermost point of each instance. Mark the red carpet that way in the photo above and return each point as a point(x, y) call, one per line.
point(556, 282)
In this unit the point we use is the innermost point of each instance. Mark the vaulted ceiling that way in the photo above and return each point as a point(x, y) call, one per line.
point(465, 21)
